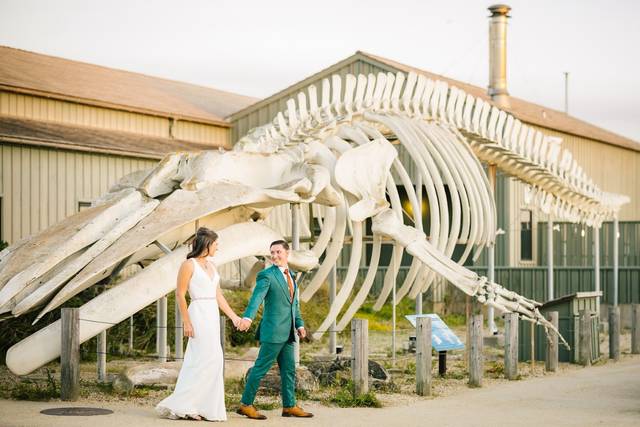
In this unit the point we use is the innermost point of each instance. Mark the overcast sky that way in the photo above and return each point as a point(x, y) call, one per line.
point(257, 48)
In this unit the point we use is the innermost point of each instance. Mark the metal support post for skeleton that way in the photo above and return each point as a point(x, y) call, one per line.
point(550, 288)
point(492, 254)
point(332, 298)
point(393, 314)
point(295, 243)
point(419, 198)
point(596, 264)
point(130, 334)
point(162, 312)
point(178, 338)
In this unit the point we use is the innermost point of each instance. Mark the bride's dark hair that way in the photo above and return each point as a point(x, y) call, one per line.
point(203, 239)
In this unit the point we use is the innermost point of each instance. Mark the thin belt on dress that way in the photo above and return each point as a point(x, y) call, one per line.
point(203, 298)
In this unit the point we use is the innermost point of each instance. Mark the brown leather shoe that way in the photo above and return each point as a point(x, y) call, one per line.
point(296, 411)
point(250, 411)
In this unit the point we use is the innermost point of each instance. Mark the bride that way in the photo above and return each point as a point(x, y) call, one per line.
point(199, 391)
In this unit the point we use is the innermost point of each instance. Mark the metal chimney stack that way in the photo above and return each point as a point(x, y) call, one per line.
point(498, 55)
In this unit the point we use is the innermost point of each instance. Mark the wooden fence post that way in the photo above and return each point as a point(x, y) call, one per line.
point(476, 358)
point(551, 359)
point(614, 333)
point(635, 329)
point(584, 338)
point(511, 346)
point(102, 356)
point(423, 356)
point(360, 355)
point(70, 354)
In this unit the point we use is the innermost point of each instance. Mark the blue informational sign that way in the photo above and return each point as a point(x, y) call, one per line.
point(442, 338)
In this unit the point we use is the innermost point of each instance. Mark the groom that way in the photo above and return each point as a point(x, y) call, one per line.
point(281, 320)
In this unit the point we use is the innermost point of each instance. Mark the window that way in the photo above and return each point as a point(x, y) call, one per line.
point(82, 205)
point(526, 240)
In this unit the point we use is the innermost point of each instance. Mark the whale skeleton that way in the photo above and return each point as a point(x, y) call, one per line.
point(341, 157)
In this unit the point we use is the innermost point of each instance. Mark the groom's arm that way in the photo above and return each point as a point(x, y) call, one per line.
point(258, 295)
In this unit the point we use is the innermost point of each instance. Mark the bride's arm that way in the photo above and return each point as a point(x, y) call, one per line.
point(184, 275)
point(226, 308)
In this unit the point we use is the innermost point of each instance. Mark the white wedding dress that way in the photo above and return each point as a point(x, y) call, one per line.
point(200, 386)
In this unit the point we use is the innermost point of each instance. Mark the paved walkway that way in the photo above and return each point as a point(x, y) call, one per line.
point(607, 395)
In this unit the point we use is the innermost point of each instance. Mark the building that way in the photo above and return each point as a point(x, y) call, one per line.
point(69, 130)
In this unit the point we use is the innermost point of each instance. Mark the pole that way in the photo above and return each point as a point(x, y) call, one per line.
point(332, 297)
point(360, 356)
point(423, 356)
point(566, 92)
point(70, 354)
point(295, 243)
point(596, 264)
point(616, 237)
point(419, 197)
point(131, 334)
point(393, 319)
point(549, 259)
point(102, 356)
point(161, 310)
point(492, 255)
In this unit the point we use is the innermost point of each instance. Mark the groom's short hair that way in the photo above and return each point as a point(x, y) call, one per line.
point(284, 244)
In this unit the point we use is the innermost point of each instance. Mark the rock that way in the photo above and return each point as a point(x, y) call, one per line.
point(338, 371)
point(147, 374)
point(270, 384)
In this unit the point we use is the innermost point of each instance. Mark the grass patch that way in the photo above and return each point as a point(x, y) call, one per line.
point(495, 369)
point(36, 391)
point(344, 398)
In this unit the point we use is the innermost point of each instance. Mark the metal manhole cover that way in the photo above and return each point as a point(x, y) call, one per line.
point(78, 411)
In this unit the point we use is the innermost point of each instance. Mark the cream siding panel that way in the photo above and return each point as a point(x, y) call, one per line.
point(189, 131)
point(40, 186)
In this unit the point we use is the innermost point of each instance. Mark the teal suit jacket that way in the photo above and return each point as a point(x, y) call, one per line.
point(281, 317)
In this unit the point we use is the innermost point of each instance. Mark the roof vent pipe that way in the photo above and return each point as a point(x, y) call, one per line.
point(498, 55)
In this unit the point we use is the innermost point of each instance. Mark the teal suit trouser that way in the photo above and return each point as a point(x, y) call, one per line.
point(269, 353)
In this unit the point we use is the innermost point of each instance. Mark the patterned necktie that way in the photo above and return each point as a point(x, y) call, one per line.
point(290, 283)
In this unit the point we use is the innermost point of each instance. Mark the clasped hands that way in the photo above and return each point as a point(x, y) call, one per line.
point(243, 324)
